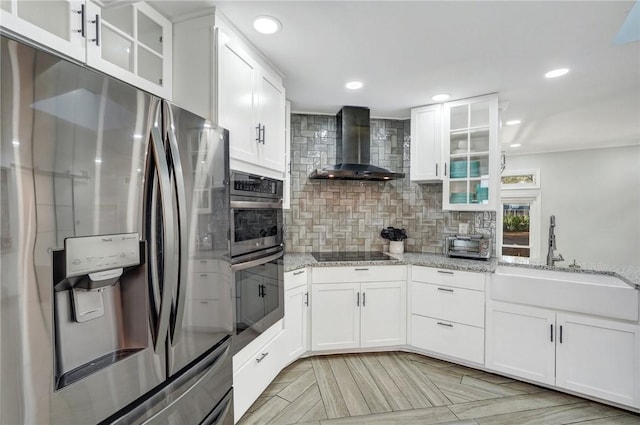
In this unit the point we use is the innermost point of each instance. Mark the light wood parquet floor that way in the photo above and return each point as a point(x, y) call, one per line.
point(400, 388)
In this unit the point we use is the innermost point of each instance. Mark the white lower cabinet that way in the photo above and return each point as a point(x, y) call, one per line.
point(362, 310)
point(598, 357)
point(448, 338)
point(383, 314)
point(447, 312)
point(296, 314)
point(260, 366)
point(335, 316)
point(593, 356)
point(521, 341)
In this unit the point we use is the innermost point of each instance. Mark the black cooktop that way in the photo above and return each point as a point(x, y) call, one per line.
point(324, 257)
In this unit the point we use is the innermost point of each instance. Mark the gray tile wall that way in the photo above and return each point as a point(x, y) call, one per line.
point(328, 215)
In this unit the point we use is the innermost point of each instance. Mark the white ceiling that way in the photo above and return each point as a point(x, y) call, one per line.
point(405, 52)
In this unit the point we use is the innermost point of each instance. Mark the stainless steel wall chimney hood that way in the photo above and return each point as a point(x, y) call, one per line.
point(353, 147)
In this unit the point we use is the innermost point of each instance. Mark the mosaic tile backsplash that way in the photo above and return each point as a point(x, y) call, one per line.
point(329, 215)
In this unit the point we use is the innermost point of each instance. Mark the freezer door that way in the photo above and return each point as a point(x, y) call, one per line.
point(199, 394)
point(73, 151)
point(202, 308)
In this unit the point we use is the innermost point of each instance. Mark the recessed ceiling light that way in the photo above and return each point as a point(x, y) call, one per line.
point(556, 73)
point(266, 25)
point(515, 145)
point(439, 97)
point(513, 122)
point(354, 85)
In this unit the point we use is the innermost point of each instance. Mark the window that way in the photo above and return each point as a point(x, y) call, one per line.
point(519, 226)
point(516, 229)
point(520, 179)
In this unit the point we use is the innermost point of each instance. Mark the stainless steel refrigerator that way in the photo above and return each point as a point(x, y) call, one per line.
point(116, 302)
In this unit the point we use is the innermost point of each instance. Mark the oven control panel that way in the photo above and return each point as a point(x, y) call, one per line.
point(244, 184)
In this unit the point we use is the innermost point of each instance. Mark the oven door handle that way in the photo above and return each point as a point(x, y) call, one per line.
point(258, 262)
point(256, 205)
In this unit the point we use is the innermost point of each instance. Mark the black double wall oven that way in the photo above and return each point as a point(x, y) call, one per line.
point(257, 251)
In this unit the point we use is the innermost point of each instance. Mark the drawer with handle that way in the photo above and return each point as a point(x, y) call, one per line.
point(295, 278)
point(449, 303)
point(358, 274)
point(255, 375)
point(455, 278)
point(448, 338)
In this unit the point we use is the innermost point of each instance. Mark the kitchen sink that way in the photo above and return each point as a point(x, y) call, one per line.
point(596, 294)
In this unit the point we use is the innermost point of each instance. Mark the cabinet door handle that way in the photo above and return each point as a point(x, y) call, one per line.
point(306, 299)
point(444, 272)
point(263, 131)
point(560, 334)
point(204, 275)
point(258, 133)
point(445, 289)
point(97, 22)
point(358, 300)
point(551, 333)
point(449, 325)
point(83, 24)
point(262, 357)
point(445, 169)
point(297, 273)
point(436, 169)
point(364, 300)
point(361, 270)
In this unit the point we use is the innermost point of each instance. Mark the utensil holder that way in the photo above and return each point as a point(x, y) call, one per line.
point(396, 247)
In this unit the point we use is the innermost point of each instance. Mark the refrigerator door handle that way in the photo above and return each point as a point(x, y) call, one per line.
point(183, 231)
point(168, 243)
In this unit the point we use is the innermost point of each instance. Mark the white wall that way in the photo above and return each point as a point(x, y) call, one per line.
point(595, 196)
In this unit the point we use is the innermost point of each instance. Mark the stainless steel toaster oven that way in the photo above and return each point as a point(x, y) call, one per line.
point(468, 246)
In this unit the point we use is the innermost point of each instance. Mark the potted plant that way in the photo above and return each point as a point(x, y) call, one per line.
point(396, 239)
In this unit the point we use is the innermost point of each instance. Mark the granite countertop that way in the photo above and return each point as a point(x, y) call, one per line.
point(296, 261)
point(629, 274)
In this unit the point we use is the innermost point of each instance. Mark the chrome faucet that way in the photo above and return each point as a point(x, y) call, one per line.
point(551, 258)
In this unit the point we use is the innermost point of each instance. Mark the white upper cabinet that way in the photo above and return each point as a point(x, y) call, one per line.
point(270, 120)
point(457, 143)
point(58, 25)
point(236, 100)
point(131, 42)
point(426, 144)
point(471, 154)
point(235, 87)
point(251, 105)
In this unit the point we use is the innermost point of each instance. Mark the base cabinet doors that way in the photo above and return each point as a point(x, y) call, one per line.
point(593, 356)
point(520, 341)
point(335, 316)
point(367, 308)
point(296, 307)
point(383, 314)
point(598, 357)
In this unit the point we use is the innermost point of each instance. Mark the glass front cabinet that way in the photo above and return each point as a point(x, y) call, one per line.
point(456, 143)
point(128, 40)
point(471, 154)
